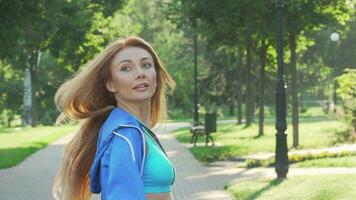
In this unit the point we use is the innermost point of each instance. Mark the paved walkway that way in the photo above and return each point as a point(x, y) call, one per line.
point(33, 178)
point(194, 181)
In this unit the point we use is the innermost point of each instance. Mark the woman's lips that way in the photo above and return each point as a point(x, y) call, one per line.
point(142, 86)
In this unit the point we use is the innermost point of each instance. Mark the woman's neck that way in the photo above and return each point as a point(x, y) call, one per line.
point(142, 111)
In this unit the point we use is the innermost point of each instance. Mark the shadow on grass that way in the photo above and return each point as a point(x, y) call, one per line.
point(226, 128)
point(246, 126)
point(257, 136)
point(10, 157)
point(269, 186)
point(253, 137)
point(304, 119)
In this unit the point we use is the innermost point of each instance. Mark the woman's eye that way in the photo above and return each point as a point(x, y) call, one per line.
point(147, 65)
point(125, 68)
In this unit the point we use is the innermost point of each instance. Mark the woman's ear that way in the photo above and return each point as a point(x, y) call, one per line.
point(110, 86)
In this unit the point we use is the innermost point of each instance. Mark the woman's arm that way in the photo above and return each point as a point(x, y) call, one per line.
point(121, 166)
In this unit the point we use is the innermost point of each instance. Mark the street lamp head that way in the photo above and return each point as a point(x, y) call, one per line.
point(335, 37)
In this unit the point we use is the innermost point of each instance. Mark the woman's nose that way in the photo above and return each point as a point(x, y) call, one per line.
point(139, 72)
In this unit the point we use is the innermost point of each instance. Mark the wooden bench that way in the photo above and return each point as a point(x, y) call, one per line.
point(199, 129)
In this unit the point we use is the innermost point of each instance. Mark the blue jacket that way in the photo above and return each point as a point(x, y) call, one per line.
point(119, 160)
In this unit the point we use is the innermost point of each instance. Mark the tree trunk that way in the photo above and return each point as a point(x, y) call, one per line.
point(231, 109)
point(301, 90)
point(353, 121)
point(253, 98)
point(9, 120)
point(295, 120)
point(27, 99)
point(239, 107)
point(239, 87)
point(263, 58)
point(248, 80)
point(29, 117)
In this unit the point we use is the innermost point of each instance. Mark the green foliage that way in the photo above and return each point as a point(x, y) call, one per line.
point(173, 48)
point(312, 15)
point(49, 76)
point(82, 30)
point(47, 36)
point(221, 26)
point(347, 92)
point(67, 34)
point(251, 163)
point(52, 70)
point(325, 59)
point(10, 93)
point(345, 135)
point(239, 25)
point(347, 85)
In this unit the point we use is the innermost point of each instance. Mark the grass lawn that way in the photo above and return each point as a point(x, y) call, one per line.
point(306, 187)
point(315, 131)
point(18, 143)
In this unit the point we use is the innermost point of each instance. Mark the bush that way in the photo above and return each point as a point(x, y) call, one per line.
point(347, 92)
point(346, 135)
point(303, 109)
point(251, 163)
point(295, 158)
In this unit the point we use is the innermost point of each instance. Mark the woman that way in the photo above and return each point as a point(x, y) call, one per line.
point(119, 96)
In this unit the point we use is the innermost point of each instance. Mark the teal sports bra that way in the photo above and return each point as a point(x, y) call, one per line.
point(159, 172)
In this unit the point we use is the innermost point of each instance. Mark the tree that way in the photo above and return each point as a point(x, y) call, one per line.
point(229, 23)
point(32, 27)
point(308, 16)
point(10, 92)
point(347, 92)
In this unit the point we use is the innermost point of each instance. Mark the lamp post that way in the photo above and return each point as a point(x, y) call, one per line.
point(281, 156)
point(196, 114)
point(334, 37)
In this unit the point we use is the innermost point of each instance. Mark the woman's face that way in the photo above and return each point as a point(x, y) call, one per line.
point(133, 75)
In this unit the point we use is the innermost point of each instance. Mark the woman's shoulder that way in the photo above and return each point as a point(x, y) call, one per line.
point(118, 119)
point(119, 130)
point(119, 126)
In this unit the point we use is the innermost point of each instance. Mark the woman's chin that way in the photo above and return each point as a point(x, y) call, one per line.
point(142, 98)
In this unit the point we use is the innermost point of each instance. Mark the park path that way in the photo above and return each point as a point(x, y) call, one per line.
point(33, 178)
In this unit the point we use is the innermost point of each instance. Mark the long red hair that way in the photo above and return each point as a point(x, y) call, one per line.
point(85, 98)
